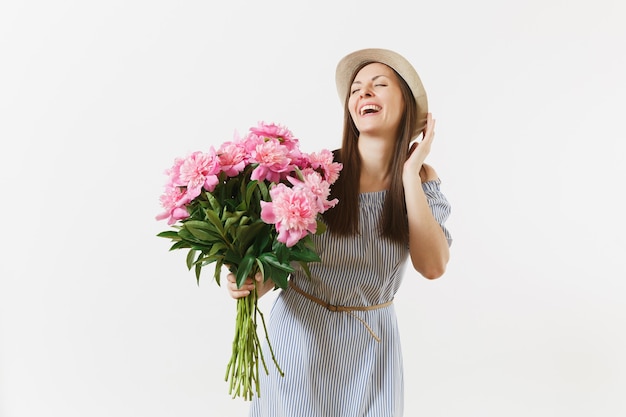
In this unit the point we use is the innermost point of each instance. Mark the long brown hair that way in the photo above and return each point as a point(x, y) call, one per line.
point(343, 219)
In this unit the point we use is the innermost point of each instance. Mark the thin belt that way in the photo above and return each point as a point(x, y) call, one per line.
point(347, 309)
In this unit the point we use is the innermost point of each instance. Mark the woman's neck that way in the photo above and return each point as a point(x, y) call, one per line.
point(376, 153)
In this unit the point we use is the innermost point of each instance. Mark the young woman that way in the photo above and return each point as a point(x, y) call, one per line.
point(336, 335)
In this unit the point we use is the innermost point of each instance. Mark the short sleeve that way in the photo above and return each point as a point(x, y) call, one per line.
point(439, 205)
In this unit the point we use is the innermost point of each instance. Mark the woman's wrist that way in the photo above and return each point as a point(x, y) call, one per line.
point(264, 287)
point(411, 178)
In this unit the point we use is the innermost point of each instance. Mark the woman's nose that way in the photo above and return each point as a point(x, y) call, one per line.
point(366, 91)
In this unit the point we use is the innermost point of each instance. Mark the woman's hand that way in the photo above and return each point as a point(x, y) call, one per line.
point(261, 287)
point(418, 152)
point(245, 289)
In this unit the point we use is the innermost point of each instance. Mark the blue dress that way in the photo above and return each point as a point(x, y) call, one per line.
point(342, 363)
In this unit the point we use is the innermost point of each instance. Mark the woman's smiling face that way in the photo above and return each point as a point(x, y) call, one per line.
point(376, 104)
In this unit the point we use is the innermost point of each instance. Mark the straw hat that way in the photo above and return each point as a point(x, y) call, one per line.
point(349, 63)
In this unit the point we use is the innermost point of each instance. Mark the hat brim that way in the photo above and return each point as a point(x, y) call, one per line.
point(349, 63)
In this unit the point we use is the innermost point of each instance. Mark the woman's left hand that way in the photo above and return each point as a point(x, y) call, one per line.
point(418, 152)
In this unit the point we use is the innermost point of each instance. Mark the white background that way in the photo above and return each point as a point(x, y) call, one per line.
point(97, 318)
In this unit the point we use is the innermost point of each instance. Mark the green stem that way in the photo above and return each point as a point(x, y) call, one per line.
point(267, 337)
point(242, 371)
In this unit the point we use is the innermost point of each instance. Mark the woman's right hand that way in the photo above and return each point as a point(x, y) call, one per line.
point(262, 286)
point(245, 289)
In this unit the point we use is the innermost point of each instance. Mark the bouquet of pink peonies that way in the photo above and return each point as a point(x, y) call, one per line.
point(251, 206)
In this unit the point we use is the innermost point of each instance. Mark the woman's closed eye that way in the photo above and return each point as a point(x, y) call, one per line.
point(356, 90)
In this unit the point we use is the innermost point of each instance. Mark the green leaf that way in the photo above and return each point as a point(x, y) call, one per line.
point(219, 247)
point(231, 219)
point(261, 241)
point(321, 227)
point(250, 189)
point(198, 270)
point(218, 272)
point(299, 174)
point(305, 268)
point(206, 246)
point(281, 250)
point(191, 258)
point(246, 234)
point(202, 230)
point(187, 236)
point(169, 234)
point(265, 194)
point(180, 245)
point(271, 259)
point(213, 201)
point(208, 259)
point(305, 255)
point(232, 258)
point(280, 278)
point(244, 269)
point(196, 211)
point(199, 224)
point(262, 269)
point(215, 221)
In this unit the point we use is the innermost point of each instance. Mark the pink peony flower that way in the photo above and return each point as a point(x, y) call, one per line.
point(324, 161)
point(173, 201)
point(174, 173)
point(273, 161)
point(299, 159)
point(275, 131)
point(232, 157)
point(291, 212)
point(199, 170)
point(316, 187)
